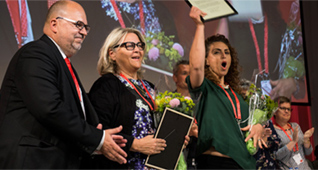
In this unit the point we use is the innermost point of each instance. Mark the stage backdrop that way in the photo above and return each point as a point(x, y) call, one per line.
point(268, 36)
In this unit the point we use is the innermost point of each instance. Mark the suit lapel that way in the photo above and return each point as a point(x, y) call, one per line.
point(67, 73)
point(91, 115)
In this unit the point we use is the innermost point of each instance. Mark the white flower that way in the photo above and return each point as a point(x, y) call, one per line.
point(140, 104)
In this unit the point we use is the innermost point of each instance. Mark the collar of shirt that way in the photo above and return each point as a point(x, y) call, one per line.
point(59, 48)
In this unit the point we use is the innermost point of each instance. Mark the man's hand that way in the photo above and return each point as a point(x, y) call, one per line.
point(119, 140)
point(111, 146)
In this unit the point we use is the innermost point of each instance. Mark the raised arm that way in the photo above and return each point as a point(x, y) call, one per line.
point(197, 51)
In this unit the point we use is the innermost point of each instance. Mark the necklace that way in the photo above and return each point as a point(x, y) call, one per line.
point(148, 93)
point(290, 127)
point(140, 89)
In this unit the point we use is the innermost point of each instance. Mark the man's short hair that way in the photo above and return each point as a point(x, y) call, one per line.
point(283, 99)
point(176, 67)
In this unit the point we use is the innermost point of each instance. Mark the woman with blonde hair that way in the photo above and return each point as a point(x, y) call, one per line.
point(121, 97)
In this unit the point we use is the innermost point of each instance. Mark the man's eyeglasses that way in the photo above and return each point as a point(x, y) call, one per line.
point(79, 24)
point(131, 45)
point(286, 109)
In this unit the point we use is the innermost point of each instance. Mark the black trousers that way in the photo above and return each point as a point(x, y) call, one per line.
point(216, 162)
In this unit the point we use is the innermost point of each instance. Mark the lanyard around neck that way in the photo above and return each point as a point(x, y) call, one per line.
point(151, 107)
point(258, 53)
point(120, 18)
point(238, 113)
point(296, 147)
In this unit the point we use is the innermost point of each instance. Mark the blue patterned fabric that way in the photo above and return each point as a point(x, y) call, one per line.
point(266, 158)
point(143, 125)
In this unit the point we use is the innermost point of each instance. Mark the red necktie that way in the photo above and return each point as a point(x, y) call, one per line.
point(68, 63)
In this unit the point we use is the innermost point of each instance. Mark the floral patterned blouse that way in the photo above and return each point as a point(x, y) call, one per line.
point(143, 119)
point(265, 158)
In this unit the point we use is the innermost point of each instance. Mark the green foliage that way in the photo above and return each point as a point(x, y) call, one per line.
point(182, 164)
point(186, 105)
point(250, 145)
point(294, 68)
point(164, 45)
point(264, 103)
point(261, 109)
point(292, 52)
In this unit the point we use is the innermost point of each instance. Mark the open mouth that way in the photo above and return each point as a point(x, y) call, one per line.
point(136, 58)
point(224, 65)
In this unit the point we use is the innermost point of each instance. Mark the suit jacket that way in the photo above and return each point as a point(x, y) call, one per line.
point(41, 119)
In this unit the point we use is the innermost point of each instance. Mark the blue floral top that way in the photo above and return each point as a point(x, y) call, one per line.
point(266, 157)
point(143, 119)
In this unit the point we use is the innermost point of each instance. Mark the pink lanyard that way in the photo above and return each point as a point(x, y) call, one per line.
point(238, 115)
point(258, 53)
point(123, 76)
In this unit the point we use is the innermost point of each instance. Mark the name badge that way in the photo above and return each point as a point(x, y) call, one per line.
point(297, 158)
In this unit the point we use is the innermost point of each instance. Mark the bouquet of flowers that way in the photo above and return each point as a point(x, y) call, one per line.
point(261, 109)
point(174, 101)
point(179, 103)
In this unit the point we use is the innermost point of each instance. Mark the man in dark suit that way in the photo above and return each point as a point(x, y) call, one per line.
point(46, 119)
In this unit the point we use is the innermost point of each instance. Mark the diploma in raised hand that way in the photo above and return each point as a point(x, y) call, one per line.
point(215, 9)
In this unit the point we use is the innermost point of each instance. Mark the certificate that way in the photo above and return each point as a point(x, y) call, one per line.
point(215, 9)
point(173, 127)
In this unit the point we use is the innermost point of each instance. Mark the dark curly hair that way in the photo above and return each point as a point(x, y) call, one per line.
point(233, 75)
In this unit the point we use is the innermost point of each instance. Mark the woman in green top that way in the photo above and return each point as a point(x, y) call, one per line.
point(222, 111)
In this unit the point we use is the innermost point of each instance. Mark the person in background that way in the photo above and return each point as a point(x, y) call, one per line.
point(214, 73)
point(245, 85)
point(180, 72)
point(266, 157)
point(294, 143)
point(46, 119)
point(121, 97)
